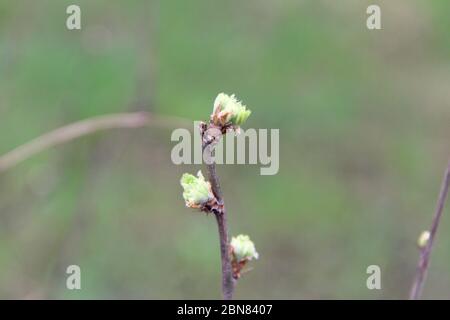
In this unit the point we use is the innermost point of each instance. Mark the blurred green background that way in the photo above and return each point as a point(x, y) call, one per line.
point(364, 121)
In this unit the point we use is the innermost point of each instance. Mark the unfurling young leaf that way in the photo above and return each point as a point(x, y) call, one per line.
point(229, 111)
point(197, 191)
point(243, 248)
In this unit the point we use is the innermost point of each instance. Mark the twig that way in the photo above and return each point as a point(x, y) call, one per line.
point(425, 253)
point(77, 130)
point(221, 218)
point(228, 114)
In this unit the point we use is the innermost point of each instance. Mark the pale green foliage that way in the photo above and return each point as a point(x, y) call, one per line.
point(423, 239)
point(227, 109)
point(243, 248)
point(197, 191)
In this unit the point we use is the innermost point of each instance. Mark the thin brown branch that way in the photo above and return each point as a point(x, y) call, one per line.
point(221, 218)
point(77, 130)
point(424, 260)
point(227, 273)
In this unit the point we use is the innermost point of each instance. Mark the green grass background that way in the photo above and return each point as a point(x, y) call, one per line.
point(364, 119)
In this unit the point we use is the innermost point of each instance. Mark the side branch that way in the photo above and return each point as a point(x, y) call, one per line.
point(425, 253)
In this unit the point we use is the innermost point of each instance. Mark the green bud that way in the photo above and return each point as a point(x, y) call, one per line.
point(243, 248)
point(423, 239)
point(228, 110)
point(197, 191)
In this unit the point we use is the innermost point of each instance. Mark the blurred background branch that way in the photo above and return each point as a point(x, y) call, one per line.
point(77, 130)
